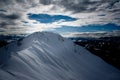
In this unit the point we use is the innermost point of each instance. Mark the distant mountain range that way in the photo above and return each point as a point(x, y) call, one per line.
point(77, 39)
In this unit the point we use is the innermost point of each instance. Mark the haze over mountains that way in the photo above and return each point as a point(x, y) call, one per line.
point(48, 56)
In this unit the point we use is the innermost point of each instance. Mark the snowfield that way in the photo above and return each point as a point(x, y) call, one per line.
point(48, 56)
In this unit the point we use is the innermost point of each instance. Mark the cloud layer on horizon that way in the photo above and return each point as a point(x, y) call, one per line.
point(92, 34)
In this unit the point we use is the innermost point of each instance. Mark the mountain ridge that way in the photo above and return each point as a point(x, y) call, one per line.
point(48, 56)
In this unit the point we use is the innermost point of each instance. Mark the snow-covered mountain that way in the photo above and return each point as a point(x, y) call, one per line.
point(48, 56)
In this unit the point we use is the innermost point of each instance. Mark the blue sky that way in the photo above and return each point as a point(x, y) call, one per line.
point(46, 18)
point(61, 16)
point(49, 19)
point(88, 28)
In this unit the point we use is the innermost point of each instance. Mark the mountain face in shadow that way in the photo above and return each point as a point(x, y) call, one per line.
point(108, 48)
point(48, 56)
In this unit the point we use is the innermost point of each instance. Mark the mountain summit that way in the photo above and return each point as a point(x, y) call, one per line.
point(48, 56)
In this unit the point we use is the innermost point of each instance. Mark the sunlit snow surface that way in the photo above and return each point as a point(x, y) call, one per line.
point(48, 56)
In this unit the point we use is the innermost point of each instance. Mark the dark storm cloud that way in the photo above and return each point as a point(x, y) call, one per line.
point(81, 5)
point(70, 5)
point(11, 16)
point(112, 3)
point(109, 7)
point(10, 12)
point(74, 5)
point(6, 24)
point(3, 24)
point(46, 2)
point(5, 1)
point(8, 19)
point(1, 10)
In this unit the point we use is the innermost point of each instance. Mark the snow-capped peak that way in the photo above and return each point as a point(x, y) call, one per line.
point(48, 56)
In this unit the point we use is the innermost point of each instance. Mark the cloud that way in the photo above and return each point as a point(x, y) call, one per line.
point(75, 6)
point(92, 34)
point(8, 19)
point(11, 16)
point(14, 18)
point(83, 5)
point(1, 10)
point(46, 2)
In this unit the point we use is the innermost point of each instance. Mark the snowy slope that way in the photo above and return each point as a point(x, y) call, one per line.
point(48, 56)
